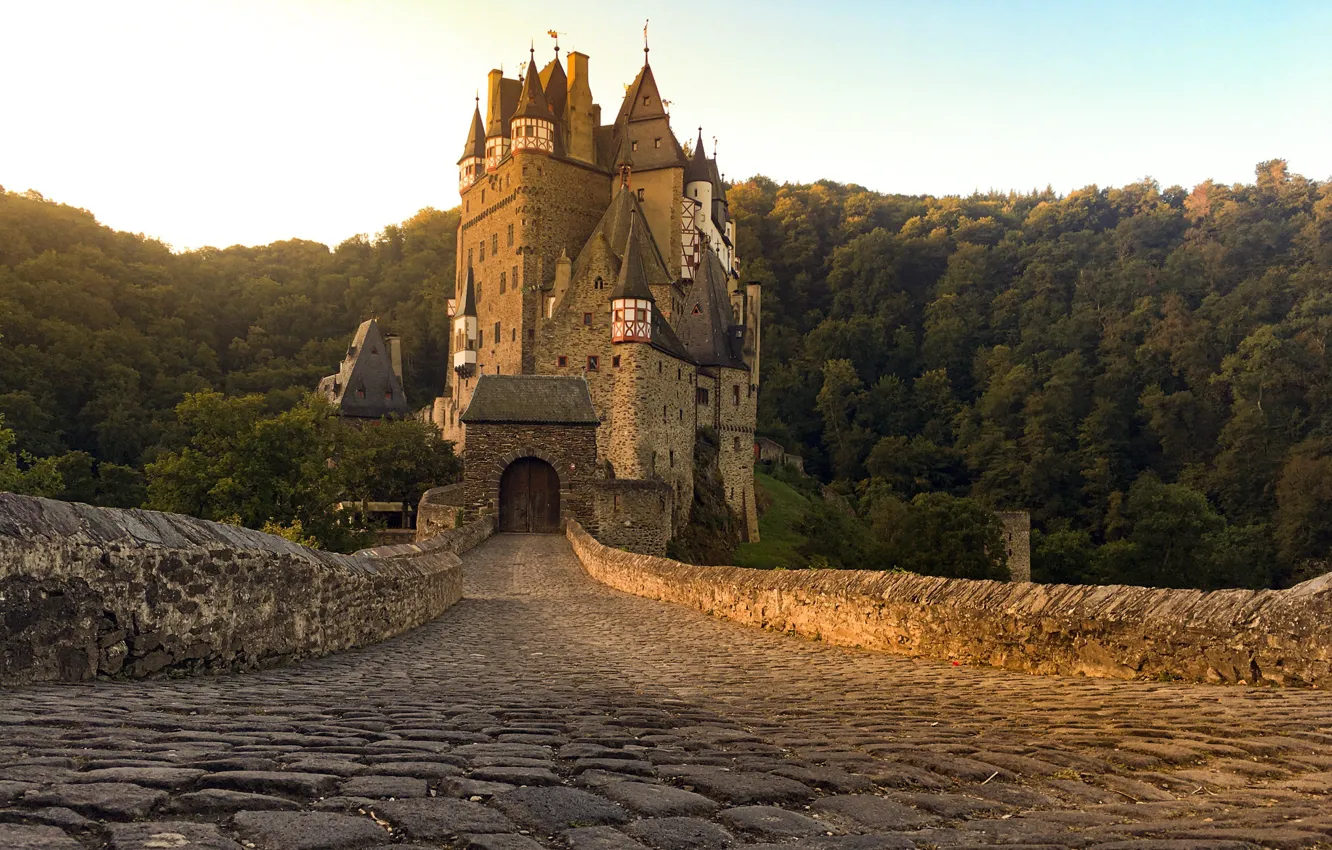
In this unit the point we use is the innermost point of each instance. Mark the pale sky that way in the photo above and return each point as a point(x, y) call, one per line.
point(215, 123)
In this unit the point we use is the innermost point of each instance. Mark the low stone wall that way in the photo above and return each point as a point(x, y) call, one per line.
point(1236, 636)
point(634, 515)
point(88, 592)
point(440, 510)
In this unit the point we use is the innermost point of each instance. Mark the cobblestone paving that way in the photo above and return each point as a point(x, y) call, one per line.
point(547, 710)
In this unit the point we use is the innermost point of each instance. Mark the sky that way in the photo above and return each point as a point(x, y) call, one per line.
point(217, 123)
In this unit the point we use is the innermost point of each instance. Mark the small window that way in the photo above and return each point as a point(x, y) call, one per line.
point(672, 458)
point(587, 319)
point(481, 256)
point(497, 339)
point(504, 281)
point(593, 363)
point(531, 333)
point(510, 235)
point(494, 243)
point(701, 395)
point(514, 277)
point(678, 373)
point(374, 349)
point(360, 392)
point(658, 365)
point(598, 283)
point(388, 395)
point(735, 391)
point(634, 145)
point(615, 361)
point(513, 335)
point(483, 196)
point(656, 143)
point(640, 194)
point(681, 411)
point(561, 361)
point(737, 444)
point(647, 99)
point(469, 256)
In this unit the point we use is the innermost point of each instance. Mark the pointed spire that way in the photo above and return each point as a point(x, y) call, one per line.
point(697, 169)
point(476, 136)
point(532, 101)
point(469, 297)
point(632, 282)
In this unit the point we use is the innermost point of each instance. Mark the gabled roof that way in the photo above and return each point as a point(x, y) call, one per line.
point(644, 87)
point(366, 385)
point(531, 399)
point(476, 138)
point(532, 100)
point(705, 324)
point(503, 101)
point(468, 306)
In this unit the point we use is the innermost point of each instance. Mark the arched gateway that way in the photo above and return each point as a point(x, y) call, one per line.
point(529, 497)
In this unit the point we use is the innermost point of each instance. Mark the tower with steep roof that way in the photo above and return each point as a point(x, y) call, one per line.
point(603, 251)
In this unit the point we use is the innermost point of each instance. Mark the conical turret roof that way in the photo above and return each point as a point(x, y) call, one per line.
point(697, 171)
point(705, 327)
point(469, 296)
point(476, 137)
point(633, 276)
point(532, 101)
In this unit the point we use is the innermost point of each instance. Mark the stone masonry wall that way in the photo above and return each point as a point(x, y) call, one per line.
point(1233, 636)
point(94, 591)
point(1017, 543)
point(634, 515)
point(440, 509)
point(571, 449)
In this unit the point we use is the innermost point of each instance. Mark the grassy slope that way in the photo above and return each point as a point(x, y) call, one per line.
point(778, 537)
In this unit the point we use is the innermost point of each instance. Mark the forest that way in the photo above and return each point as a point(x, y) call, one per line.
point(1145, 370)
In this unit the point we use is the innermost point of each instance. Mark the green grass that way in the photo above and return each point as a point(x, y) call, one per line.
point(778, 537)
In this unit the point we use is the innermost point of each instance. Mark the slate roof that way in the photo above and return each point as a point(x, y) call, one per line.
point(632, 282)
point(476, 138)
point(531, 400)
point(532, 101)
point(705, 324)
point(366, 375)
point(468, 306)
point(555, 85)
point(697, 171)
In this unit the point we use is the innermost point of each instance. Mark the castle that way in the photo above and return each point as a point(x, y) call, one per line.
point(600, 321)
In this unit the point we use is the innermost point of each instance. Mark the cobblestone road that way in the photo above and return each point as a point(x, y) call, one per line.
point(546, 710)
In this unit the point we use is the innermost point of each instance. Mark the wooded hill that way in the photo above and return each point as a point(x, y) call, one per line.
point(1145, 370)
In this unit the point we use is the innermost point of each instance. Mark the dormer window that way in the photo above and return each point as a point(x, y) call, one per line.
point(598, 283)
point(360, 392)
point(374, 349)
point(656, 143)
point(388, 395)
point(640, 194)
point(634, 145)
point(647, 99)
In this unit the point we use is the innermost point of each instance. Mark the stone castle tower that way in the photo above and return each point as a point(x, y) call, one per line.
point(601, 252)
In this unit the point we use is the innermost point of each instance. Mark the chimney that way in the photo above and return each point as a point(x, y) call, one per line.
point(493, 107)
point(580, 114)
point(395, 353)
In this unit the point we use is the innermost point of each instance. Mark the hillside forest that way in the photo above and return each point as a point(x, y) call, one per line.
point(1145, 370)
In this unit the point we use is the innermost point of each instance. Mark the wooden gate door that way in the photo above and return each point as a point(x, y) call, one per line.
point(529, 497)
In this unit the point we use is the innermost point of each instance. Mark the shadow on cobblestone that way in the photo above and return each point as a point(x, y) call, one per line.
point(543, 679)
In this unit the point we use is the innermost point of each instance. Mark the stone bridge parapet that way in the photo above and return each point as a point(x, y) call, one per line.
point(87, 592)
point(1230, 636)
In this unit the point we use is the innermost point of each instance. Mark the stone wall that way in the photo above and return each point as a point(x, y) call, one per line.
point(1232, 636)
point(440, 510)
point(571, 449)
point(88, 592)
point(634, 515)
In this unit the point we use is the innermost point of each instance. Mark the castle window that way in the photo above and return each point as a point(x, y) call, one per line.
point(593, 363)
point(561, 361)
point(497, 339)
point(494, 243)
point(701, 395)
point(737, 444)
point(634, 145)
point(513, 335)
point(360, 392)
point(659, 364)
point(681, 412)
point(514, 277)
point(469, 256)
point(656, 143)
point(598, 283)
point(672, 458)
point(735, 390)
point(678, 373)
point(510, 234)
point(531, 333)
point(640, 194)
point(503, 281)
point(483, 196)
point(615, 361)
point(587, 319)
point(388, 395)
point(481, 258)
point(647, 99)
